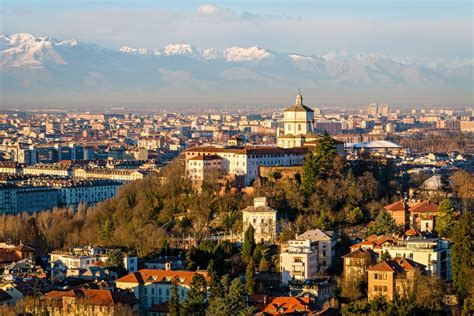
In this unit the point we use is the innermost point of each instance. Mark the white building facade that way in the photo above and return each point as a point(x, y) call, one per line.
point(298, 261)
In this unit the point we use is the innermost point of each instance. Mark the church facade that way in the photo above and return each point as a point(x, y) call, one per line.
point(298, 125)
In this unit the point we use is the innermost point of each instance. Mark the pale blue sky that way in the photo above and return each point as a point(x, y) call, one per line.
point(399, 28)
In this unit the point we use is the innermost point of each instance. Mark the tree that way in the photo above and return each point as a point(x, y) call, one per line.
point(317, 163)
point(445, 218)
point(236, 299)
point(263, 266)
point(385, 256)
point(106, 232)
point(384, 224)
point(231, 301)
point(215, 286)
point(250, 277)
point(462, 254)
point(249, 244)
point(356, 215)
point(195, 302)
point(174, 306)
point(115, 262)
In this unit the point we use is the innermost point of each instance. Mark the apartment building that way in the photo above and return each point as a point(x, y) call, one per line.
point(298, 260)
point(326, 243)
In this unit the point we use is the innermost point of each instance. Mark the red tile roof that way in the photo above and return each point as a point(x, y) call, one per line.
point(287, 305)
point(397, 206)
point(96, 297)
point(161, 276)
point(424, 206)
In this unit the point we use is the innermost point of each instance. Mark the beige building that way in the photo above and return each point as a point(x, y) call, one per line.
point(298, 260)
point(262, 218)
point(357, 262)
point(201, 168)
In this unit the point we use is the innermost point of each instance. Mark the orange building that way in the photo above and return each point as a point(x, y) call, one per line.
point(392, 276)
point(399, 212)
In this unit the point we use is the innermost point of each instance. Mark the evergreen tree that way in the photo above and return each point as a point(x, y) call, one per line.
point(250, 278)
point(318, 163)
point(257, 253)
point(115, 262)
point(384, 224)
point(106, 231)
point(174, 301)
point(236, 298)
point(195, 303)
point(215, 286)
point(462, 254)
point(249, 244)
point(263, 266)
point(445, 218)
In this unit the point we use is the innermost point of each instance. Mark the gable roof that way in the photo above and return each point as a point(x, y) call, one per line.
point(397, 206)
point(316, 234)
point(96, 297)
point(361, 253)
point(424, 206)
point(161, 276)
point(287, 305)
point(397, 265)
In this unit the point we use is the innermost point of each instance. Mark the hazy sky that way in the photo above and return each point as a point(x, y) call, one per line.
point(398, 28)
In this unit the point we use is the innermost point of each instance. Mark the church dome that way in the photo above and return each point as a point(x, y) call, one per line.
point(299, 106)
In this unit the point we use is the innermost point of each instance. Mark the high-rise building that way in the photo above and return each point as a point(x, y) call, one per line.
point(372, 109)
point(384, 110)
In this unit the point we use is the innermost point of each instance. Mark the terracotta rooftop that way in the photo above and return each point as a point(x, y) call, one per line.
point(424, 206)
point(397, 206)
point(160, 276)
point(287, 305)
point(96, 297)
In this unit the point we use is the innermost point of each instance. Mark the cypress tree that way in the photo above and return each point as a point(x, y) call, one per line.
point(249, 244)
point(174, 301)
point(463, 254)
point(250, 278)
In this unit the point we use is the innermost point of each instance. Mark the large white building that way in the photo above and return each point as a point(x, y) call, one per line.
point(262, 218)
point(244, 162)
point(152, 286)
point(298, 260)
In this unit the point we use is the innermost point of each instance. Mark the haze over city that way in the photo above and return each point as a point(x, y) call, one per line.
point(159, 54)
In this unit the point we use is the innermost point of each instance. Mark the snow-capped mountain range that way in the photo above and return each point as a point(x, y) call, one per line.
point(43, 68)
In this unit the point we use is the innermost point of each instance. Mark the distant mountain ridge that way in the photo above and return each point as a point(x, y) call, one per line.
point(40, 69)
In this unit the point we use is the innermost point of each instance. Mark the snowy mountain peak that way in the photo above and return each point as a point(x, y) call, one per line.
point(180, 49)
point(70, 42)
point(130, 50)
point(211, 53)
point(246, 54)
point(26, 50)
